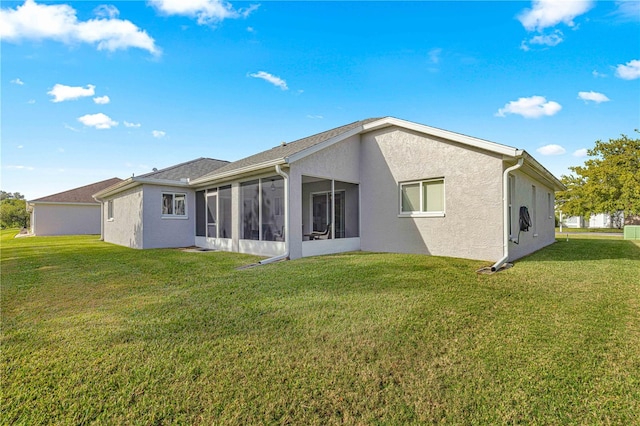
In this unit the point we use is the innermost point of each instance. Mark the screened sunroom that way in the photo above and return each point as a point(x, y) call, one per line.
point(330, 216)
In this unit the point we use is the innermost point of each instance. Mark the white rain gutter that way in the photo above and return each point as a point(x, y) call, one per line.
point(285, 255)
point(505, 217)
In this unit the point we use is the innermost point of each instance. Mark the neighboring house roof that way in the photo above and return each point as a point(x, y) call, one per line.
point(81, 195)
point(178, 175)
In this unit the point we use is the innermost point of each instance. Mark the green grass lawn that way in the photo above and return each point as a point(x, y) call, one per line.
point(587, 230)
point(94, 333)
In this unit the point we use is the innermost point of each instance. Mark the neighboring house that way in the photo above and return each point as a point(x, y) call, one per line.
point(154, 210)
point(381, 184)
point(600, 220)
point(73, 212)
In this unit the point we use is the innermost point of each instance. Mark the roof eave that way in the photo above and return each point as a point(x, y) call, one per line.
point(444, 134)
point(132, 182)
point(238, 172)
point(541, 171)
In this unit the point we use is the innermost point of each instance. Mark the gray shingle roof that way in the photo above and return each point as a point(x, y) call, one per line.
point(191, 169)
point(82, 194)
point(288, 149)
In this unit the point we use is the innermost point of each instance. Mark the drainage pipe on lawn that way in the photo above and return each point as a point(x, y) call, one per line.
point(505, 217)
point(284, 255)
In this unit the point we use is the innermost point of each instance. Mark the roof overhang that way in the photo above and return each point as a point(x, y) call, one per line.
point(238, 173)
point(132, 182)
point(420, 128)
point(65, 203)
point(536, 169)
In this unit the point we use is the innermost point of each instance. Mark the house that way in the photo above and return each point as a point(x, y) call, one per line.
point(72, 212)
point(600, 220)
point(381, 184)
point(154, 210)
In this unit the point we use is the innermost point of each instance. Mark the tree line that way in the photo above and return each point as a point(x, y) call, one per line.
point(609, 182)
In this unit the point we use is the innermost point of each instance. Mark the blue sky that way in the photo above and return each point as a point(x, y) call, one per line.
point(93, 90)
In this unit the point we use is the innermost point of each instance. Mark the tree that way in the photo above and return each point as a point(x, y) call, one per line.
point(607, 183)
point(4, 195)
point(13, 213)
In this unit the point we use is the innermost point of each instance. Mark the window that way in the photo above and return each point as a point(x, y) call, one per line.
point(110, 210)
point(549, 205)
point(174, 205)
point(422, 198)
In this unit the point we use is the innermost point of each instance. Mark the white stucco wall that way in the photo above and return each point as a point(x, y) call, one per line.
point(126, 227)
point(472, 225)
point(163, 232)
point(542, 232)
point(65, 219)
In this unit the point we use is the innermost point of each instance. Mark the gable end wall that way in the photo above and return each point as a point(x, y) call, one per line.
point(472, 225)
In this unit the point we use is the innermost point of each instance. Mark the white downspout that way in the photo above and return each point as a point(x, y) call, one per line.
point(505, 212)
point(284, 255)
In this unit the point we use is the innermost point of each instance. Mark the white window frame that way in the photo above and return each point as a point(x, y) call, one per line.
point(173, 207)
point(422, 213)
point(110, 210)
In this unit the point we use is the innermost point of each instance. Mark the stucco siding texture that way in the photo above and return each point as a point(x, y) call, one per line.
point(61, 219)
point(125, 228)
point(542, 231)
point(472, 225)
point(161, 231)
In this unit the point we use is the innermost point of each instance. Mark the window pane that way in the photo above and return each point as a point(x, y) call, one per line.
point(211, 216)
point(225, 212)
point(433, 196)
point(250, 210)
point(411, 197)
point(167, 203)
point(272, 209)
point(180, 207)
point(110, 209)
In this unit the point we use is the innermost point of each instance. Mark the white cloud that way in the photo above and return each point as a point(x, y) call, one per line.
point(12, 167)
point(207, 12)
point(102, 100)
point(434, 55)
point(133, 125)
point(630, 71)
point(551, 150)
point(553, 39)
point(533, 107)
point(276, 81)
point(18, 82)
point(20, 146)
point(61, 93)
point(73, 129)
point(158, 134)
point(31, 101)
point(59, 22)
point(548, 13)
point(596, 74)
point(99, 121)
point(106, 11)
point(314, 117)
point(628, 10)
point(582, 152)
point(593, 96)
